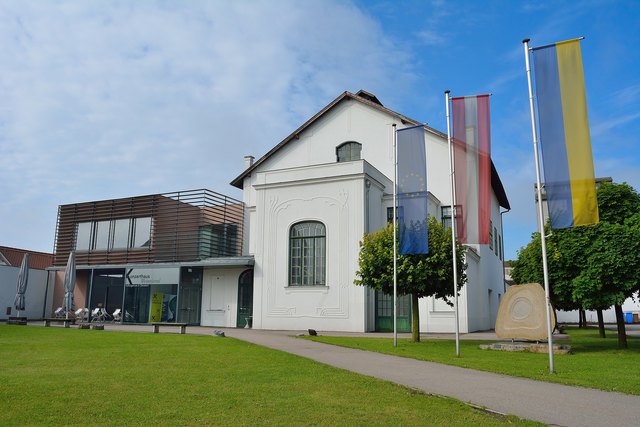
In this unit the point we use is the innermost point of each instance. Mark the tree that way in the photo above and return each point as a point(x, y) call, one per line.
point(592, 267)
point(610, 272)
point(528, 267)
point(419, 275)
point(617, 202)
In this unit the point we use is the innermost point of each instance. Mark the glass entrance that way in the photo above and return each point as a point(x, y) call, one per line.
point(190, 295)
point(384, 313)
point(106, 292)
point(136, 304)
point(245, 299)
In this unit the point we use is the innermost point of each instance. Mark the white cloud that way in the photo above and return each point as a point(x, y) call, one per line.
point(431, 38)
point(112, 99)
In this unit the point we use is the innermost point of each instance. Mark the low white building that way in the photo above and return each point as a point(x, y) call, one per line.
point(309, 201)
point(10, 262)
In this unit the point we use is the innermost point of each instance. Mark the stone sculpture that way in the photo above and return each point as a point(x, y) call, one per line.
point(522, 313)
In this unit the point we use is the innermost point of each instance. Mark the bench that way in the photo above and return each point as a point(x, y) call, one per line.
point(17, 321)
point(156, 326)
point(67, 322)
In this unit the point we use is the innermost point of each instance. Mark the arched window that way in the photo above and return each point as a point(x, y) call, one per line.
point(348, 151)
point(307, 254)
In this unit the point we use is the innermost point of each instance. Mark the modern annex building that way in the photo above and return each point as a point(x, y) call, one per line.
point(286, 255)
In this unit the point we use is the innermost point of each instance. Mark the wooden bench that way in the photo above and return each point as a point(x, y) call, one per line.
point(156, 326)
point(67, 322)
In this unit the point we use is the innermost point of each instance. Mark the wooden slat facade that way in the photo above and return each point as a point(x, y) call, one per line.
point(185, 226)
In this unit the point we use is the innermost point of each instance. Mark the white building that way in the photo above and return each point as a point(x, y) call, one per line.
point(308, 203)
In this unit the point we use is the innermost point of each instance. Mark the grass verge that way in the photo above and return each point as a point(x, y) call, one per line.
point(79, 377)
point(594, 362)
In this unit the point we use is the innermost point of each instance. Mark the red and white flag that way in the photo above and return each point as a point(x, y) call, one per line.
point(472, 159)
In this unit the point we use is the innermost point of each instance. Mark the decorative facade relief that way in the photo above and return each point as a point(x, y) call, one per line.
point(278, 220)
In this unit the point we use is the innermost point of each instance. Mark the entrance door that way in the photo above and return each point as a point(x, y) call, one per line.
point(245, 299)
point(189, 305)
point(107, 291)
point(384, 313)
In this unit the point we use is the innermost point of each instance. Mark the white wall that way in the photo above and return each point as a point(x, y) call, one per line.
point(302, 181)
point(34, 296)
point(334, 195)
point(629, 306)
point(220, 296)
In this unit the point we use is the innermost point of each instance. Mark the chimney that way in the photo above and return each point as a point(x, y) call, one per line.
point(248, 162)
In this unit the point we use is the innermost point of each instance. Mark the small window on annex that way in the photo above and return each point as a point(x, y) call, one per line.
point(491, 235)
point(307, 254)
point(348, 151)
point(446, 216)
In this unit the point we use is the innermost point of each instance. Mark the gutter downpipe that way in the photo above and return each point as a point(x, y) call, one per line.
point(504, 274)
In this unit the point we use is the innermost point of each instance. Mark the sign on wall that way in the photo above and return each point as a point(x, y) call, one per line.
point(151, 276)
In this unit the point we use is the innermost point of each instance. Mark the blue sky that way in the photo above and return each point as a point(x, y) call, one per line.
point(119, 98)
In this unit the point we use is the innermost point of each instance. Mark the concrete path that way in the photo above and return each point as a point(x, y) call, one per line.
point(535, 400)
point(549, 403)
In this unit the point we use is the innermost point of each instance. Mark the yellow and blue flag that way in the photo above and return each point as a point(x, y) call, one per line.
point(412, 191)
point(564, 135)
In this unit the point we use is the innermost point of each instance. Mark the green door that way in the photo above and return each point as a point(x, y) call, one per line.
point(245, 299)
point(384, 313)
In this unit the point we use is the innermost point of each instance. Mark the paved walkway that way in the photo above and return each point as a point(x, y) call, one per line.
point(535, 400)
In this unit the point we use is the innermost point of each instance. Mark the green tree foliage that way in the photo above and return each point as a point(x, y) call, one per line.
point(617, 202)
point(591, 267)
point(611, 267)
point(563, 263)
point(419, 275)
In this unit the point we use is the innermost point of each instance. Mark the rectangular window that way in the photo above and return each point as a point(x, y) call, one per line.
point(141, 233)
point(83, 236)
point(446, 216)
point(218, 240)
point(500, 250)
point(319, 261)
point(491, 235)
point(101, 236)
point(120, 234)
point(495, 237)
point(390, 214)
point(296, 261)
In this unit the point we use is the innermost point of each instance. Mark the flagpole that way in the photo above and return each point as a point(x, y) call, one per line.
point(540, 217)
point(395, 255)
point(453, 225)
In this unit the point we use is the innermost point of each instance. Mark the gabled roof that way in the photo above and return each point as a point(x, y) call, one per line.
point(362, 96)
point(498, 189)
point(372, 101)
point(37, 260)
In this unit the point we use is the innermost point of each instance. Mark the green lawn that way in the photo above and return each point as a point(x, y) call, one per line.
point(594, 362)
point(84, 377)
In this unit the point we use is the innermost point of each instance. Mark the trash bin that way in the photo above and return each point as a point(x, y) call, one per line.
point(628, 317)
point(635, 318)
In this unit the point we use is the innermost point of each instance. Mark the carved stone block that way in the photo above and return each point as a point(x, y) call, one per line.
point(522, 313)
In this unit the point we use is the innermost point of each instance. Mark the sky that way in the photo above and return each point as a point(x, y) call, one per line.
point(108, 99)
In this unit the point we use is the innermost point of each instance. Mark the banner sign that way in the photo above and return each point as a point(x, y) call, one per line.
point(152, 276)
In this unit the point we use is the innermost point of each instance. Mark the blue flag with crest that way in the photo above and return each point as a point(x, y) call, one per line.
point(412, 191)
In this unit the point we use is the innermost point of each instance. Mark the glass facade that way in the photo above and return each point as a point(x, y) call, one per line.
point(120, 233)
point(147, 295)
point(106, 292)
